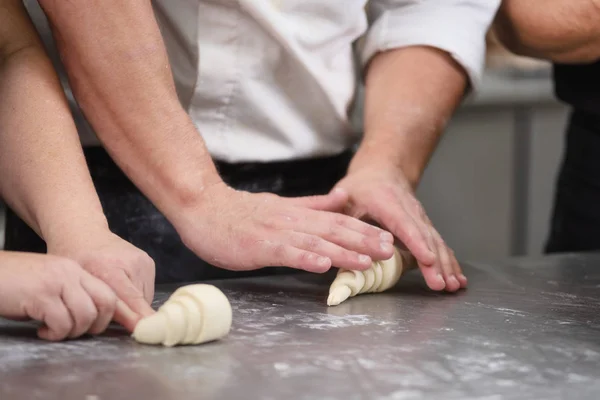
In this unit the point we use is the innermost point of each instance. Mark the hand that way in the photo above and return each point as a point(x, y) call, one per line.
point(384, 195)
point(128, 270)
point(243, 231)
point(56, 291)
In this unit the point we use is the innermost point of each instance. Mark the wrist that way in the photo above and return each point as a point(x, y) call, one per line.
point(389, 159)
point(80, 231)
point(191, 192)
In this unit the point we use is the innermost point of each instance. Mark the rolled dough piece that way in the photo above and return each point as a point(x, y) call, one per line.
point(194, 314)
point(381, 276)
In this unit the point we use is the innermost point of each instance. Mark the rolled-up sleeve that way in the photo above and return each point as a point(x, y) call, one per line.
point(455, 26)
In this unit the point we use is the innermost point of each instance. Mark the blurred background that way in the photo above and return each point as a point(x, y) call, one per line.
point(489, 186)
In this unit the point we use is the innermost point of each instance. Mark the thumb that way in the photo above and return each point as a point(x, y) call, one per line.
point(127, 317)
point(334, 201)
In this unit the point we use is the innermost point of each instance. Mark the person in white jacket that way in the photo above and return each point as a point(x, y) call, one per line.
point(223, 115)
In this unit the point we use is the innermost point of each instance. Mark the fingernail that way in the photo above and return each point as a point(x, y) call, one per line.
point(461, 276)
point(386, 237)
point(440, 279)
point(386, 247)
point(364, 259)
point(452, 279)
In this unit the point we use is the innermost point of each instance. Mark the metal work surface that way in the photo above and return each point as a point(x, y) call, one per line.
point(526, 328)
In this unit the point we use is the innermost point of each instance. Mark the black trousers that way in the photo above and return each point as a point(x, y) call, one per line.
point(134, 218)
point(575, 222)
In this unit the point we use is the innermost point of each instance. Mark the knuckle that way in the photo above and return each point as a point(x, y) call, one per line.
point(312, 242)
point(106, 302)
point(398, 228)
point(305, 257)
point(366, 243)
point(280, 252)
point(87, 317)
point(340, 220)
point(334, 231)
point(61, 326)
point(35, 307)
point(145, 260)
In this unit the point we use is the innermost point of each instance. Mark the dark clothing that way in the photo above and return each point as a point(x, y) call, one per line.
point(133, 217)
point(575, 222)
point(579, 86)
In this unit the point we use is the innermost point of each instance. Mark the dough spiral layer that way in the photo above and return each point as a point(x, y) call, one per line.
point(193, 314)
point(381, 276)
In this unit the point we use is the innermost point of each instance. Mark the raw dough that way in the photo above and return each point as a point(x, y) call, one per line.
point(381, 276)
point(193, 314)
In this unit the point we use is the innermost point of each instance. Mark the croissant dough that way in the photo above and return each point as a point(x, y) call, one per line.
point(381, 276)
point(193, 314)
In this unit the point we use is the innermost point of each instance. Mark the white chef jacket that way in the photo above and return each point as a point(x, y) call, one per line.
point(268, 80)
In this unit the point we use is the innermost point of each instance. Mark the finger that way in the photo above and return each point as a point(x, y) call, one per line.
point(445, 262)
point(334, 201)
point(82, 308)
point(57, 321)
point(372, 247)
point(105, 301)
point(125, 316)
point(148, 290)
point(148, 284)
point(144, 275)
point(433, 277)
point(339, 256)
point(462, 279)
point(322, 223)
point(125, 290)
point(401, 224)
point(277, 254)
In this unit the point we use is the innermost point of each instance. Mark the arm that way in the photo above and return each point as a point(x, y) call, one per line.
point(410, 95)
point(44, 178)
point(44, 174)
point(40, 155)
point(421, 57)
point(562, 31)
point(119, 71)
point(120, 74)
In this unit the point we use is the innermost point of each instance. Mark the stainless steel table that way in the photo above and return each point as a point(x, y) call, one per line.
point(526, 328)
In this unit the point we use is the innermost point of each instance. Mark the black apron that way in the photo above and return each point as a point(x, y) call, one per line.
point(134, 218)
point(575, 224)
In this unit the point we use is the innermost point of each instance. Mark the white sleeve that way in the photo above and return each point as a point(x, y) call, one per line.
point(455, 26)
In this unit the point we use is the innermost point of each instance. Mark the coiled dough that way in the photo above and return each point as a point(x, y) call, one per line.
point(194, 314)
point(381, 276)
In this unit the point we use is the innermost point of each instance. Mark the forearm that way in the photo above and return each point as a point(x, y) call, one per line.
point(410, 95)
point(558, 30)
point(44, 175)
point(119, 71)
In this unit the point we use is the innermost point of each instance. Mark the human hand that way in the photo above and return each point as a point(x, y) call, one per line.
point(384, 195)
point(128, 270)
point(244, 231)
point(56, 291)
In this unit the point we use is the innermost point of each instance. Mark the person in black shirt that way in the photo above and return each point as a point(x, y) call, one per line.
point(567, 33)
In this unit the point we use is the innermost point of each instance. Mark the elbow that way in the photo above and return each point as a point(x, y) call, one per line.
point(524, 40)
point(524, 37)
point(541, 47)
